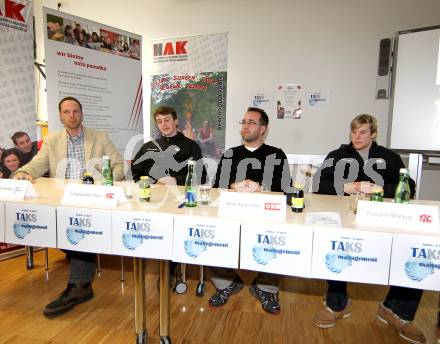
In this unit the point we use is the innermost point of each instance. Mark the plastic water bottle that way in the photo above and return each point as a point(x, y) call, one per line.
point(144, 189)
point(403, 192)
point(107, 171)
point(191, 185)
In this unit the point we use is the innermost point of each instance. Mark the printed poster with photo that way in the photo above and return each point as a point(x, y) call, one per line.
point(289, 101)
point(101, 67)
point(190, 75)
point(17, 97)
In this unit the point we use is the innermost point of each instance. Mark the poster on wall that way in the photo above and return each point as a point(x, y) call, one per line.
point(317, 99)
point(289, 101)
point(262, 100)
point(101, 67)
point(17, 99)
point(190, 75)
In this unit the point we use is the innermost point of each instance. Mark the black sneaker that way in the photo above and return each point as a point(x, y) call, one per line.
point(221, 296)
point(70, 297)
point(269, 301)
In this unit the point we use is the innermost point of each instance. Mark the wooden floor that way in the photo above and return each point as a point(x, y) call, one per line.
point(108, 318)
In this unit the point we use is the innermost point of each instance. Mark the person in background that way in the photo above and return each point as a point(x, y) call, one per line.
point(95, 37)
point(80, 38)
point(10, 159)
point(251, 164)
point(27, 148)
point(400, 305)
point(68, 35)
point(205, 138)
point(76, 146)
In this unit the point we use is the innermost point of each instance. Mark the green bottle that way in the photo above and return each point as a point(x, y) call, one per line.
point(403, 192)
point(107, 171)
point(191, 186)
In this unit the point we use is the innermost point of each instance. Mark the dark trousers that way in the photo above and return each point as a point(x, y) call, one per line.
point(82, 267)
point(402, 301)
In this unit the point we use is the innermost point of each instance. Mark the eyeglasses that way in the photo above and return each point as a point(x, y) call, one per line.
point(248, 123)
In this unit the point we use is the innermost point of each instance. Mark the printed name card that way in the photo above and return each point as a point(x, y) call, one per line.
point(93, 195)
point(206, 241)
point(253, 206)
point(397, 215)
point(276, 248)
point(2, 222)
point(16, 190)
point(351, 255)
point(83, 229)
point(141, 234)
point(31, 225)
point(415, 262)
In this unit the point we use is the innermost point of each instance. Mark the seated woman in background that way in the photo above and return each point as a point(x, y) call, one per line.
point(10, 159)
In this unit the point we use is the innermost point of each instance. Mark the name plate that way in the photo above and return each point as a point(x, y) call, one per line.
point(2, 222)
point(93, 195)
point(141, 234)
point(83, 229)
point(351, 255)
point(16, 190)
point(397, 215)
point(206, 241)
point(276, 248)
point(253, 206)
point(415, 262)
point(31, 225)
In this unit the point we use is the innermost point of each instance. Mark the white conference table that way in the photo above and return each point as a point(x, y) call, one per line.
point(50, 192)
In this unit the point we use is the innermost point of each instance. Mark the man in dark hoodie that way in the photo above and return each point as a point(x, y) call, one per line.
point(165, 160)
point(361, 166)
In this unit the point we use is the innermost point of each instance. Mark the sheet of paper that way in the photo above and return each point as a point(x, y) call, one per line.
point(330, 219)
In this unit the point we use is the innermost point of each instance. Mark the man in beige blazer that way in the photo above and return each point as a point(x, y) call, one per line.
point(68, 154)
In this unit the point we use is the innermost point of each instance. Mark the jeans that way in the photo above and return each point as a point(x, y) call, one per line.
point(82, 267)
point(402, 301)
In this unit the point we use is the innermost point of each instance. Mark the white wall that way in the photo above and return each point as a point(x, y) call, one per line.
point(322, 44)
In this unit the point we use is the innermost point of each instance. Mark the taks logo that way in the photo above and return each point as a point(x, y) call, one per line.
point(109, 195)
point(425, 218)
point(170, 48)
point(12, 10)
point(272, 206)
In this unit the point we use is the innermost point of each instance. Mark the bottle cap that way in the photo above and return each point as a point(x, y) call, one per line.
point(404, 170)
point(377, 189)
point(144, 177)
point(298, 186)
point(105, 157)
point(87, 174)
point(191, 162)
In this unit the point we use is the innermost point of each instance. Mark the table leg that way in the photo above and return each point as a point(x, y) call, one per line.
point(164, 310)
point(139, 300)
point(98, 264)
point(122, 269)
point(46, 259)
point(29, 257)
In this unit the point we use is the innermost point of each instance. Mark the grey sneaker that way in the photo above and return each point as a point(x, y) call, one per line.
point(221, 296)
point(269, 301)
